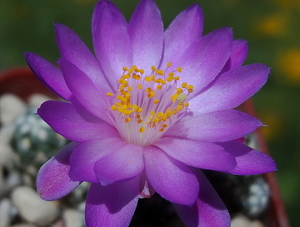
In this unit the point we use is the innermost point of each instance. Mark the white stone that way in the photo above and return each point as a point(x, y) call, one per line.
point(37, 99)
point(72, 218)
point(32, 208)
point(240, 221)
point(11, 107)
point(257, 223)
point(5, 209)
point(7, 161)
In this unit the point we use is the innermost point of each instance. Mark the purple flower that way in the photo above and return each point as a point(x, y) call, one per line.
point(147, 113)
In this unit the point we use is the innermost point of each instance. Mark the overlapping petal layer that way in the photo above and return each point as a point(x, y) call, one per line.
point(112, 205)
point(167, 176)
point(53, 181)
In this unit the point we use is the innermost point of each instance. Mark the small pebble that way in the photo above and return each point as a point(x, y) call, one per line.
point(32, 208)
point(72, 218)
point(242, 221)
point(11, 107)
point(5, 209)
point(37, 99)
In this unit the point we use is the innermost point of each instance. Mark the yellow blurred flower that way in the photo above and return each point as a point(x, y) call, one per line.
point(289, 64)
point(275, 25)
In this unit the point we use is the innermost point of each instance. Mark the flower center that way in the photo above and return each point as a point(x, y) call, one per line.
point(144, 107)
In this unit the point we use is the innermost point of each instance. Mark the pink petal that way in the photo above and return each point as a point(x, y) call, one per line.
point(146, 34)
point(84, 90)
point(123, 164)
point(217, 126)
point(88, 153)
point(205, 58)
point(249, 161)
point(65, 120)
point(112, 205)
point(75, 51)
point(208, 211)
point(173, 180)
point(196, 153)
point(49, 75)
point(53, 180)
point(238, 55)
point(111, 40)
point(182, 32)
point(231, 89)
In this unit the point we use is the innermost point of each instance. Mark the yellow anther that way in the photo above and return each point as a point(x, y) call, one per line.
point(135, 107)
point(159, 87)
point(190, 87)
point(127, 119)
point(169, 79)
point(164, 125)
point(176, 78)
point(186, 104)
point(162, 129)
point(126, 76)
point(109, 94)
point(179, 69)
point(171, 74)
point(153, 68)
point(179, 90)
point(113, 107)
point(169, 64)
point(129, 89)
point(135, 76)
point(142, 71)
point(125, 68)
point(160, 114)
point(140, 121)
point(174, 97)
point(151, 94)
point(156, 101)
point(142, 129)
point(119, 97)
point(127, 112)
point(139, 86)
point(179, 108)
point(127, 94)
point(160, 72)
point(190, 90)
point(152, 112)
point(139, 110)
point(148, 78)
point(168, 113)
point(184, 85)
point(120, 110)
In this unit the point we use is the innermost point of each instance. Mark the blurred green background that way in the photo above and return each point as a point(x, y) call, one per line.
point(270, 26)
